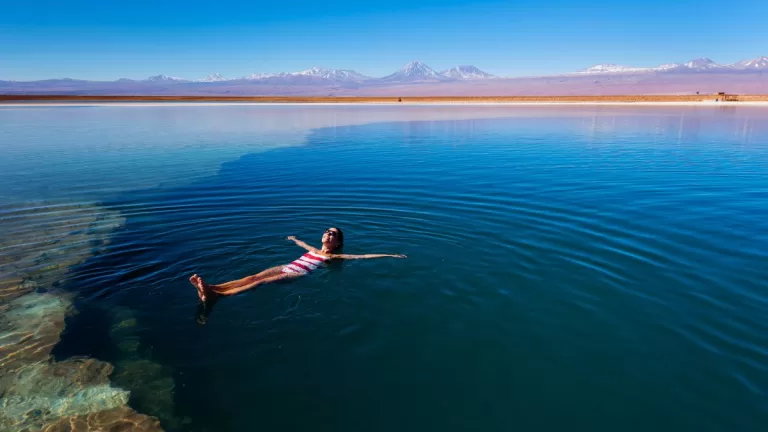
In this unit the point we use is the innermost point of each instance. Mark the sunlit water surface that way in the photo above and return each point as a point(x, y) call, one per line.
point(570, 268)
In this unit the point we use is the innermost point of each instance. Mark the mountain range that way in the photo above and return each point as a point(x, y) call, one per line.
point(414, 71)
point(416, 78)
point(699, 64)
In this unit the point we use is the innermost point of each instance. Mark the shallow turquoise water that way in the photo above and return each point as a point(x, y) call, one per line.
point(586, 268)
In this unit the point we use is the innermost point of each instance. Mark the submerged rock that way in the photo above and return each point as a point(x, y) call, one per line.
point(44, 392)
point(11, 286)
point(116, 419)
point(151, 384)
point(38, 247)
point(29, 328)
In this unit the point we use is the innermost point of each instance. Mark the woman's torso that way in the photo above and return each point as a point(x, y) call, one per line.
point(306, 263)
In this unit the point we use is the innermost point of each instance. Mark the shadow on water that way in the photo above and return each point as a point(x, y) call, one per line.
point(204, 310)
point(546, 273)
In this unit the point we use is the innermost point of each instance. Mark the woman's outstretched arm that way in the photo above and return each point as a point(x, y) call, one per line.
point(302, 244)
point(367, 256)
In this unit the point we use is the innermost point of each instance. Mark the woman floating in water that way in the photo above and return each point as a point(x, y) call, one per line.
point(333, 240)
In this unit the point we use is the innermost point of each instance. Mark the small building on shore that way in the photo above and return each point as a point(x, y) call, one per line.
point(725, 97)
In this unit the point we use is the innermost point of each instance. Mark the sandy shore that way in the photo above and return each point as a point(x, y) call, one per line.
point(500, 100)
point(538, 104)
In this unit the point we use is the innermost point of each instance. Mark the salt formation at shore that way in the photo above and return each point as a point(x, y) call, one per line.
point(38, 246)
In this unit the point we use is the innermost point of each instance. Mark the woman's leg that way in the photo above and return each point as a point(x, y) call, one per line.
point(262, 281)
point(247, 280)
point(204, 289)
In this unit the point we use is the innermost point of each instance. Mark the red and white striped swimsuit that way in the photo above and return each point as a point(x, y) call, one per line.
point(306, 263)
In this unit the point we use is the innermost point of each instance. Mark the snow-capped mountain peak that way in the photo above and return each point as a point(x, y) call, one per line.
point(700, 63)
point(332, 74)
point(418, 69)
point(314, 72)
point(214, 78)
point(413, 72)
point(260, 76)
point(756, 63)
point(611, 68)
point(466, 72)
point(162, 78)
point(667, 66)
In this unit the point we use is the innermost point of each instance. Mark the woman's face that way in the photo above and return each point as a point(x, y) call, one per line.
point(331, 238)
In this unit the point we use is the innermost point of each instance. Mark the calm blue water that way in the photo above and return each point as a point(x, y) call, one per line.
point(582, 268)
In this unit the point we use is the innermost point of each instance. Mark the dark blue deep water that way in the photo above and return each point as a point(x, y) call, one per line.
point(583, 268)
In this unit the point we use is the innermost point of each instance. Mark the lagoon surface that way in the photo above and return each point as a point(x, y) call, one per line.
point(600, 268)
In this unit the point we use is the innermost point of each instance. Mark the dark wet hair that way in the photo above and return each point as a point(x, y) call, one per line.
point(339, 238)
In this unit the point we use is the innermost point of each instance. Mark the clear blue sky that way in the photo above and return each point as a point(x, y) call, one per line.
point(108, 40)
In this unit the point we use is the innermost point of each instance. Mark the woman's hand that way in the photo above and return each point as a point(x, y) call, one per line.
point(398, 256)
point(291, 238)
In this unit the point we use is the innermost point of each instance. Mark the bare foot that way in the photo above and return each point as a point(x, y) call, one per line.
point(202, 287)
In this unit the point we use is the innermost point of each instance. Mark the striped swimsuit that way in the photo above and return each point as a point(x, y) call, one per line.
point(305, 264)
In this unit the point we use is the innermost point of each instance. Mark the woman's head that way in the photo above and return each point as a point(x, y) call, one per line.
point(333, 238)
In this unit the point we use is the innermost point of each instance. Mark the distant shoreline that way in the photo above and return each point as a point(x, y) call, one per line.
point(436, 100)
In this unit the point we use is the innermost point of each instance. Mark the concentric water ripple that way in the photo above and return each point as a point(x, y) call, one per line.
point(604, 273)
